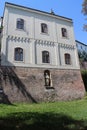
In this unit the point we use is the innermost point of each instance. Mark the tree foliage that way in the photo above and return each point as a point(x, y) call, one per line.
point(82, 56)
point(84, 11)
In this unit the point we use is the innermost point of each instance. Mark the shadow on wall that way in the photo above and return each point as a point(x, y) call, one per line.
point(7, 72)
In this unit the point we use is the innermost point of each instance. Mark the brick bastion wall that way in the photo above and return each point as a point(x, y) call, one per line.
point(19, 84)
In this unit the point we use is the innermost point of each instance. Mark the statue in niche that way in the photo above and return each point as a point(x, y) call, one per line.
point(48, 79)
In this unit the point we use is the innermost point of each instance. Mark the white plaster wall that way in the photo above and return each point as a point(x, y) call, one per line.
point(69, 26)
point(72, 52)
point(0, 21)
point(52, 52)
point(28, 22)
point(32, 27)
point(32, 30)
point(51, 35)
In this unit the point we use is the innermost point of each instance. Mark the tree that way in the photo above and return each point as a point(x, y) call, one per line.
point(84, 11)
point(82, 56)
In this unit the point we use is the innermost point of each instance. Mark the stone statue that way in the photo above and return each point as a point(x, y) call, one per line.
point(47, 79)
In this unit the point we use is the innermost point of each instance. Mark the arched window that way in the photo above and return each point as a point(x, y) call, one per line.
point(18, 54)
point(20, 23)
point(44, 28)
point(64, 32)
point(45, 57)
point(67, 59)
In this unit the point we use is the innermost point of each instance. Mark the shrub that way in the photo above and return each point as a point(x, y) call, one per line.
point(84, 77)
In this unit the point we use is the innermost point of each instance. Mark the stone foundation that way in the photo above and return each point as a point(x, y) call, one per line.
point(19, 84)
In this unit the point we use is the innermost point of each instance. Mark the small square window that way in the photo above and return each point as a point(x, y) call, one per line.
point(44, 28)
point(20, 23)
point(64, 32)
point(18, 54)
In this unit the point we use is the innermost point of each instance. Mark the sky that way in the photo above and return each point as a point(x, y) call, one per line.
point(67, 8)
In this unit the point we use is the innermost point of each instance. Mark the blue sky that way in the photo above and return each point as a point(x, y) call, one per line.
point(67, 8)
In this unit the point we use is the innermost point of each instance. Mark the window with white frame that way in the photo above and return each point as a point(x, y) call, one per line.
point(20, 23)
point(64, 32)
point(18, 54)
point(67, 58)
point(44, 28)
point(45, 57)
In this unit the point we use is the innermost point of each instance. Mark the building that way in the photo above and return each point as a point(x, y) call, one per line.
point(82, 53)
point(81, 46)
point(39, 56)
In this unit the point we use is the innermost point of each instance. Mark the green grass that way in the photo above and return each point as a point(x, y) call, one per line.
point(44, 116)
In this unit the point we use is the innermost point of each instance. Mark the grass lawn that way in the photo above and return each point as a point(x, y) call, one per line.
point(44, 116)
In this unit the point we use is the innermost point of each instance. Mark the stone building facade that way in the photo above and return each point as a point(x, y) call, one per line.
point(39, 60)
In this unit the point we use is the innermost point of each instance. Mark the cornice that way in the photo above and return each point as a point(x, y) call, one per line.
point(66, 46)
point(44, 42)
point(17, 38)
point(39, 42)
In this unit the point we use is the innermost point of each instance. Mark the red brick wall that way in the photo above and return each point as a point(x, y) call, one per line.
point(28, 85)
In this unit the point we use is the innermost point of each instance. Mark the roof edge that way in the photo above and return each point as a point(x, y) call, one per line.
point(36, 10)
point(81, 43)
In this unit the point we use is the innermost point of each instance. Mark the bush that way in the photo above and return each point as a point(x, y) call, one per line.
point(84, 77)
point(82, 55)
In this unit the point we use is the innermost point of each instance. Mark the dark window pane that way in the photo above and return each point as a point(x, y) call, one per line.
point(20, 23)
point(64, 32)
point(18, 54)
point(45, 57)
point(44, 28)
point(67, 59)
